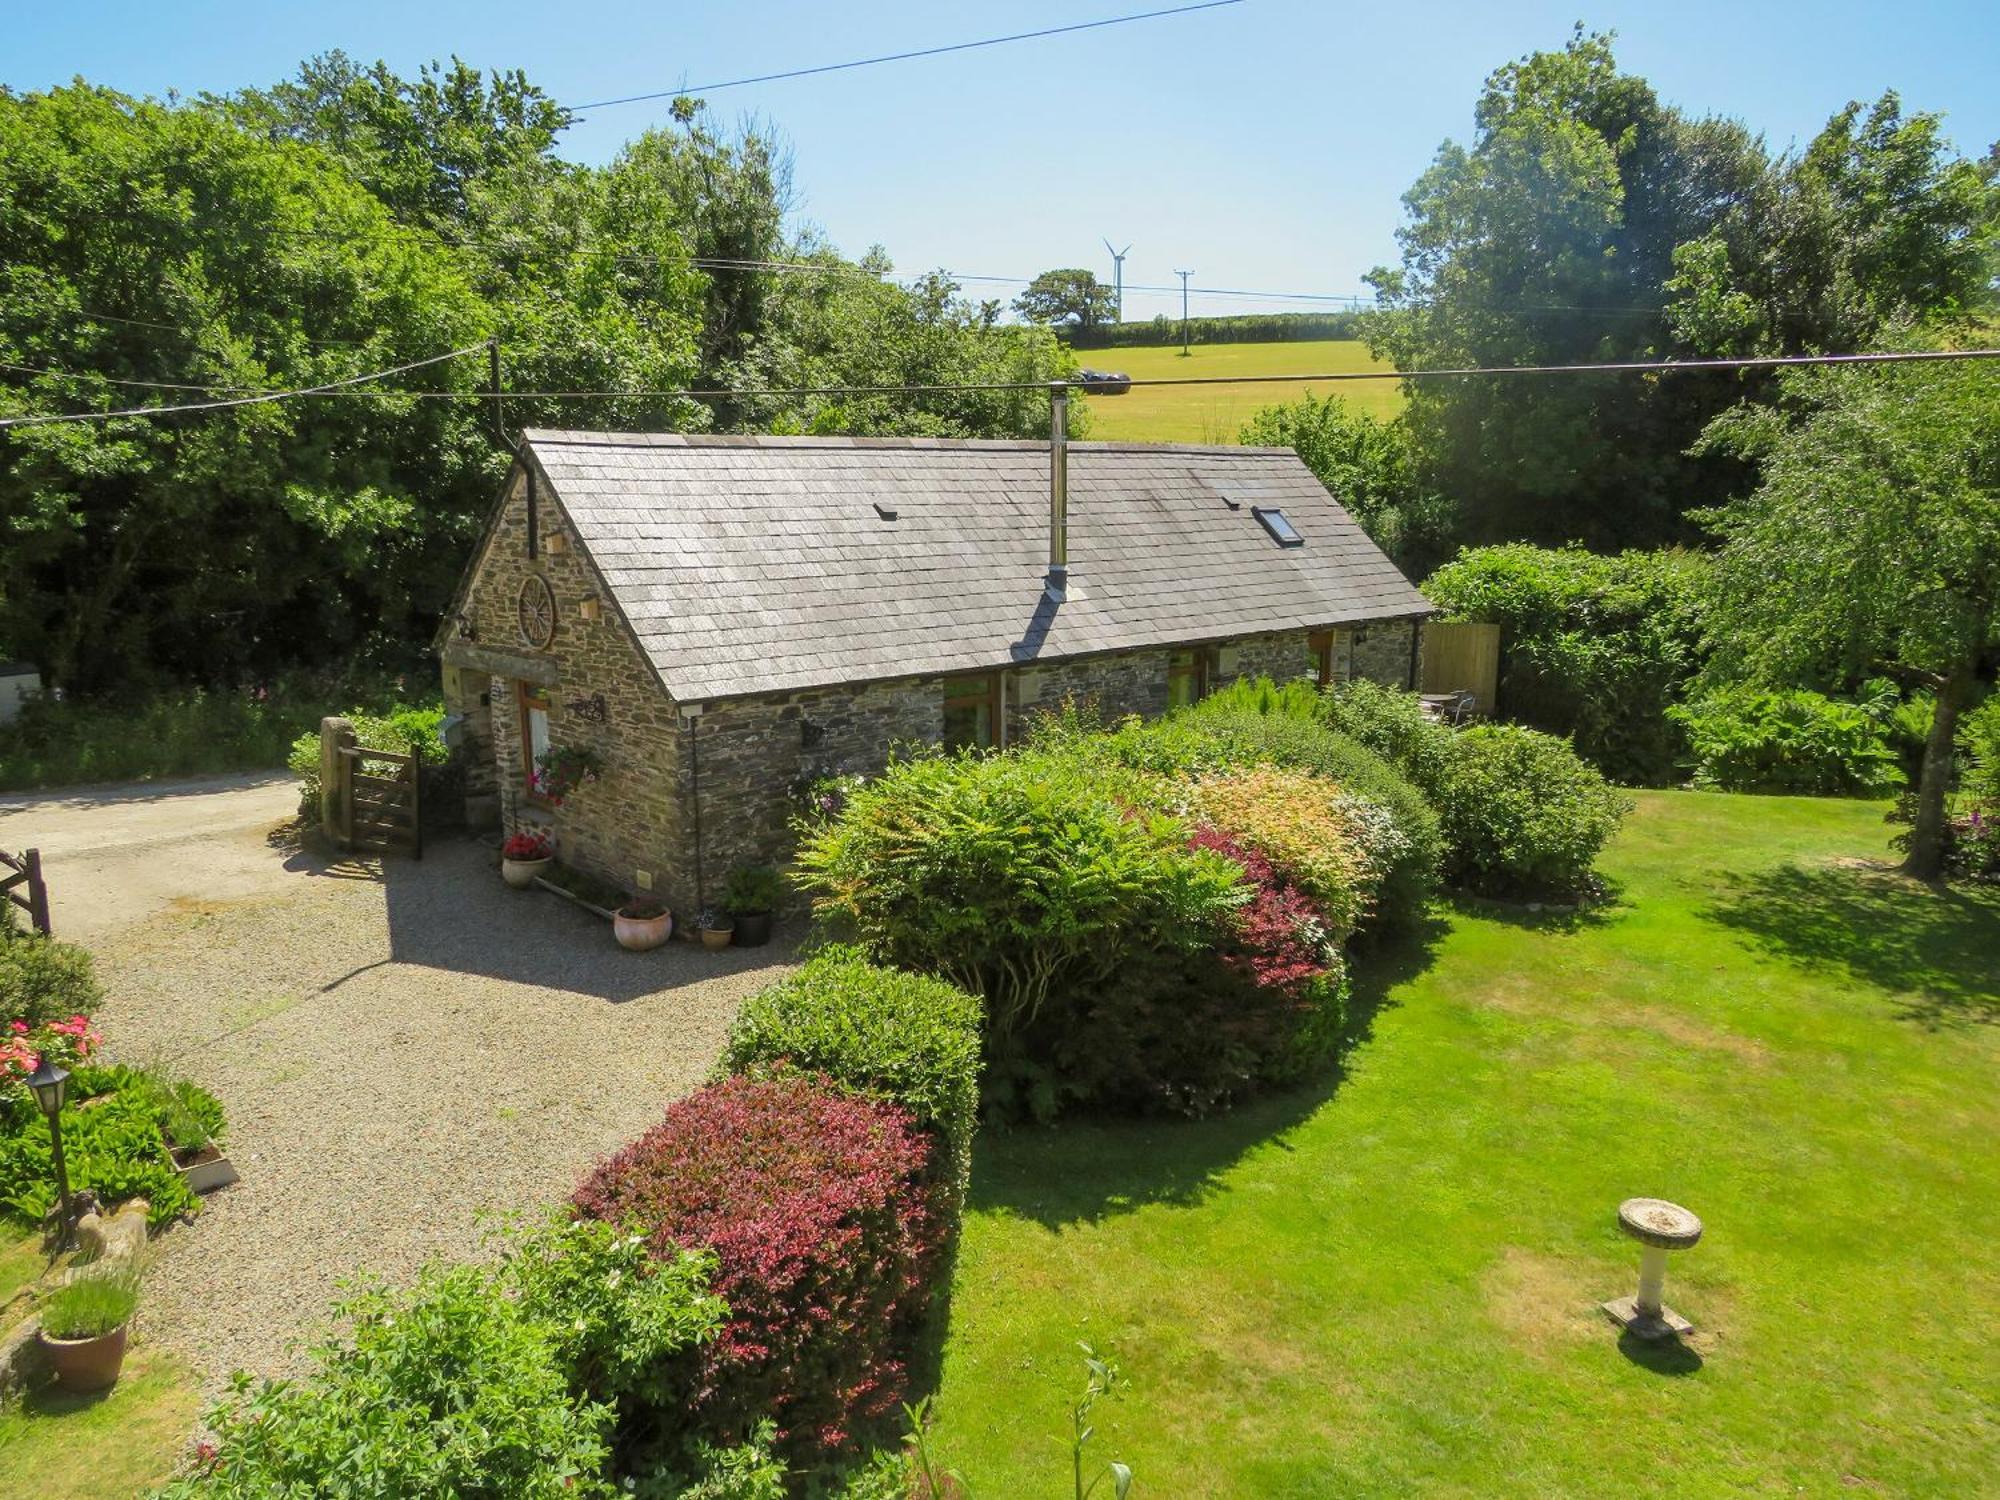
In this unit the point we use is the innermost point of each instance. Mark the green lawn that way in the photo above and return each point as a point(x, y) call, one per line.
point(1215, 413)
point(122, 1443)
point(1389, 1287)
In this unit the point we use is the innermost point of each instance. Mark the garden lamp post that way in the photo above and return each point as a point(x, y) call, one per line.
point(50, 1086)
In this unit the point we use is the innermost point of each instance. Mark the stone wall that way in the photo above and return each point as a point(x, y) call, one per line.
point(1382, 652)
point(630, 822)
point(750, 757)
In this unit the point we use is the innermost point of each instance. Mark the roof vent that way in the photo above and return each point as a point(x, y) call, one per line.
point(1283, 532)
point(885, 510)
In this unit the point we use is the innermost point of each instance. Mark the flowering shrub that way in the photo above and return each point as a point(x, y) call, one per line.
point(1299, 822)
point(561, 769)
point(826, 1235)
point(531, 845)
point(22, 1048)
point(1285, 945)
point(1028, 879)
point(1251, 723)
point(1972, 843)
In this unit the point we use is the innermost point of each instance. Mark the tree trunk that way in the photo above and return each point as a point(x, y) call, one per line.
point(1926, 857)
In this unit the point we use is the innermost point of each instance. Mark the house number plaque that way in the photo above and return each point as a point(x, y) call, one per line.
point(592, 710)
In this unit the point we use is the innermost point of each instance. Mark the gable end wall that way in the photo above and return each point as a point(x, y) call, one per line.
point(631, 818)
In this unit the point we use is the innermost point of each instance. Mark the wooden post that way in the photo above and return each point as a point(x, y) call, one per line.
point(38, 893)
point(416, 800)
point(336, 790)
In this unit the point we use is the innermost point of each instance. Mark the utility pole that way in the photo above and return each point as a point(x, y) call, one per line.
point(1118, 277)
point(1184, 276)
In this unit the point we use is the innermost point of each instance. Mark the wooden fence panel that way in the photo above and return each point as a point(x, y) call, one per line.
point(1462, 659)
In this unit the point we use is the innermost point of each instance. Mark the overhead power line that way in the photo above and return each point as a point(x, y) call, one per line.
point(889, 57)
point(342, 388)
point(332, 387)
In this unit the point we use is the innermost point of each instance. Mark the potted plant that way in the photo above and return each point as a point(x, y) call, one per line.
point(84, 1322)
point(561, 769)
point(524, 856)
point(642, 923)
point(749, 897)
point(191, 1121)
point(716, 928)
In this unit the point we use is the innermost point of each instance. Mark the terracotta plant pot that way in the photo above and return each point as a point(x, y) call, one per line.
point(642, 933)
point(753, 928)
point(86, 1364)
point(716, 937)
point(521, 873)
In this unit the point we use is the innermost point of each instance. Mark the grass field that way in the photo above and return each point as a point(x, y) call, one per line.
point(1390, 1287)
point(1216, 413)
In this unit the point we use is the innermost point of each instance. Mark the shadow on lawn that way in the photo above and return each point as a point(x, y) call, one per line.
point(1084, 1171)
point(1934, 945)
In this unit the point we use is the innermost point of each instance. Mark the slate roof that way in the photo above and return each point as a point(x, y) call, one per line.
point(759, 564)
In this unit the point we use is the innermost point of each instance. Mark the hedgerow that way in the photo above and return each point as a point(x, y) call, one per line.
point(906, 1038)
point(821, 1210)
point(1593, 647)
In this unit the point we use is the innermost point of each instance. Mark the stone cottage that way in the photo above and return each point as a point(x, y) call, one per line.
point(724, 619)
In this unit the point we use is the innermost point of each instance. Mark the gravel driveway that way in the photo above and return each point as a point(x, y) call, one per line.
point(402, 1047)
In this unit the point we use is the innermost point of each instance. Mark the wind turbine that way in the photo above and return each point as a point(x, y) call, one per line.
point(1118, 278)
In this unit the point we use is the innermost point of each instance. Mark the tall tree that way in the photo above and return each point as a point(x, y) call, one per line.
point(1872, 543)
point(1069, 296)
point(228, 543)
point(1589, 222)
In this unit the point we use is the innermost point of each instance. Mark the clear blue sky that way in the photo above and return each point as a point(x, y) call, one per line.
point(1264, 145)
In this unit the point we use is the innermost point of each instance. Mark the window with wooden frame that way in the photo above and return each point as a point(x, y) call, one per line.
point(972, 712)
point(1187, 677)
point(1333, 655)
point(534, 714)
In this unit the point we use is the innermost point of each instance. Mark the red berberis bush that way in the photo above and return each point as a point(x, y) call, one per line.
point(1277, 929)
point(826, 1237)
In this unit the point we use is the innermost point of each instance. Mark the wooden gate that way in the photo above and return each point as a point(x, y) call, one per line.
point(25, 871)
point(1462, 659)
point(370, 799)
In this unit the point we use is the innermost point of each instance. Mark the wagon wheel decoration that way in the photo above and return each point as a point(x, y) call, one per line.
point(536, 610)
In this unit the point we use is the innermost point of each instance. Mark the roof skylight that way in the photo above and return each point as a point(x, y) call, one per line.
point(1283, 532)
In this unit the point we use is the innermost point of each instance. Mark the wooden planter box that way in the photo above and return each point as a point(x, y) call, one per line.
point(208, 1171)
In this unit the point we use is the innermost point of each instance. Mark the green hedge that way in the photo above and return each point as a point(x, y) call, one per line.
point(1592, 647)
point(412, 727)
point(43, 979)
point(907, 1038)
point(1521, 811)
point(180, 732)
